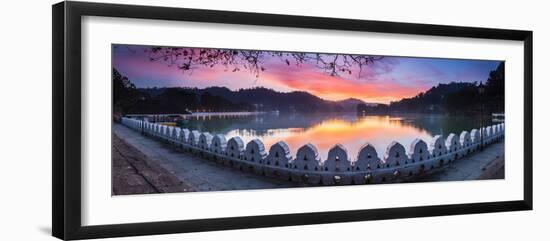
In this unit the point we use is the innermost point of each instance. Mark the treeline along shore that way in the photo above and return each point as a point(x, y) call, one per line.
point(450, 98)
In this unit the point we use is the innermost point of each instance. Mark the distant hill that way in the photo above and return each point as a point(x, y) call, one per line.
point(351, 103)
point(432, 100)
point(455, 97)
point(451, 98)
point(258, 99)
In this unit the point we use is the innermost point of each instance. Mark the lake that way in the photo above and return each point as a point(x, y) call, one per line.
point(326, 130)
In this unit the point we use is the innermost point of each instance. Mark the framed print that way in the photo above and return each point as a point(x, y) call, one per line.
point(169, 120)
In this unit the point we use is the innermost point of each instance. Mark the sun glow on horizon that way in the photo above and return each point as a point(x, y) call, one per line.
point(378, 131)
point(382, 81)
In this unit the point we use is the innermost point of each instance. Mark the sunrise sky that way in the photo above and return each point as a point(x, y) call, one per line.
point(389, 79)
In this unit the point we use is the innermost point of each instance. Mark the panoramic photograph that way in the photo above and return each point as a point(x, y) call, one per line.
point(192, 119)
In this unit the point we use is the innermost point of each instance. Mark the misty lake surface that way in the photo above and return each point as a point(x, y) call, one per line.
point(326, 130)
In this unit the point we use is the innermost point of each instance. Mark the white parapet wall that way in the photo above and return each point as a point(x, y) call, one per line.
point(340, 167)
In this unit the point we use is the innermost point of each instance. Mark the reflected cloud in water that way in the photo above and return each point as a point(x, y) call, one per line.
point(324, 131)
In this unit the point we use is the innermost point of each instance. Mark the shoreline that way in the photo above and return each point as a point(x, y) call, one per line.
point(195, 172)
point(204, 175)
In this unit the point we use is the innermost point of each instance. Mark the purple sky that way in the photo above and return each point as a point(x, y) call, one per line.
point(389, 79)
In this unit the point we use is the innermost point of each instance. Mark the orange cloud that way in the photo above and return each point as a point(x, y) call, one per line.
point(375, 89)
point(379, 131)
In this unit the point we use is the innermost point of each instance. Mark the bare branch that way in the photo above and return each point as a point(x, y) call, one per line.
point(187, 59)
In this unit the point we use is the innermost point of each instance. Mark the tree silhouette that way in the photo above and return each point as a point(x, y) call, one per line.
point(451, 98)
point(187, 59)
point(125, 94)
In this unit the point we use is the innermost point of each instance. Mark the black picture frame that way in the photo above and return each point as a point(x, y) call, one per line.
point(66, 127)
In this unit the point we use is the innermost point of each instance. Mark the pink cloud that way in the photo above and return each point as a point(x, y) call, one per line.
point(385, 80)
point(377, 88)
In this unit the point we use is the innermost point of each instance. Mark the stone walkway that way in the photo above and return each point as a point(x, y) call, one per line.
point(135, 173)
point(203, 175)
point(487, 164)
point(200, 174)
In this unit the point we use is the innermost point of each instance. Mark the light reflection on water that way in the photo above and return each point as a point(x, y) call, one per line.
point(324, 131)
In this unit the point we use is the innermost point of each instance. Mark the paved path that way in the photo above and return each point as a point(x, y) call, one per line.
point(200, 174)
point(487, 164)
point(135, 173)
point(203, 175)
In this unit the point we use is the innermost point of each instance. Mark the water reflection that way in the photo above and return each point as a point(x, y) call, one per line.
point(324, 131)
